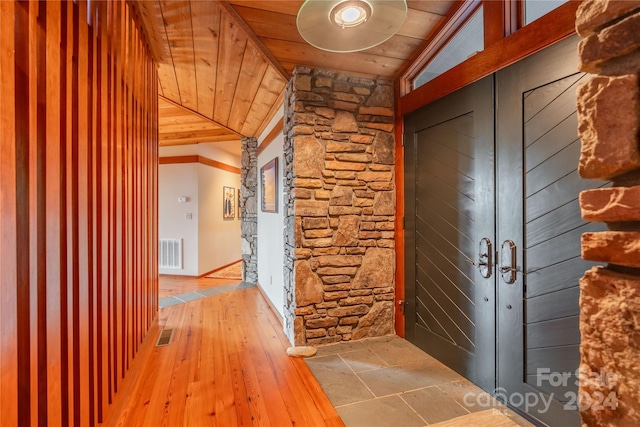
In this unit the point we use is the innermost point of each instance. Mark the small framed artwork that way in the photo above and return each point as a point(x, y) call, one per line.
point(269, 186)
point(228, 202)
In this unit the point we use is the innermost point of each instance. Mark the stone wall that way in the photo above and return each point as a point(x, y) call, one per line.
point(340, 207)
point(609, 125)
point(249, 209)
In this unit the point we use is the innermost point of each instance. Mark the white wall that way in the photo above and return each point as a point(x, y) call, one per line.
point(270, 233)
point(175, 181)
point(219, 239)
point(209, 241)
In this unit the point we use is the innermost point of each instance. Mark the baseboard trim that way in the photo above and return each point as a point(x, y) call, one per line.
point(270, 304)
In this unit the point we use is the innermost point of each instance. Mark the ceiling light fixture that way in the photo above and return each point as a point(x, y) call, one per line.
point(349, 25)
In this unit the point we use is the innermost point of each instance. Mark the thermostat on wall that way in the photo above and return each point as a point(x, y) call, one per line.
point(182, 199)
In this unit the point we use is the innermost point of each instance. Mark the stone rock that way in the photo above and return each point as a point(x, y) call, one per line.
point(339, 260)
point(354, 157)
point(613, 204)
point(308, 157)
point(375, 176)
point(615, 247)
point(307, 183)
point(347, 232)
point(302, 82)
point(335, 271)
point(382, 96)
point(610, 346)
point(308, 285)
point(595, 14)
point(327, 113)
point(344, 122)
point(617, 40)
point(298, 331)
point(352, 310)
point(344, 210)
point(341, 196)
point(384, 148)
point(315, 223)
point(377, 269)
point(368, 300)
point(376, 111)
point(385, 203)
point(311, 208)
point(608, 120)
point(323, 322)
point(342, 166)
point(344, 147)
point(302, 351)
point(378, 322)
point(315, 234)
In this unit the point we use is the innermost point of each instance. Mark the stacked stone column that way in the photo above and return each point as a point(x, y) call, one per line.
point(340, 207)
point(249, 209)
point(609, 127)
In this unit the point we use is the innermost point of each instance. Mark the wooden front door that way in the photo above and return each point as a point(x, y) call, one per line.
point(525, 178)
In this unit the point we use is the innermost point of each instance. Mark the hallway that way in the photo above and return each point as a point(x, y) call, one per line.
point(227, 366)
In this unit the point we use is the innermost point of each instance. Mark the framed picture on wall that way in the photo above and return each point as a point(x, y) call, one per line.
point(228, 202)
point(269, 186)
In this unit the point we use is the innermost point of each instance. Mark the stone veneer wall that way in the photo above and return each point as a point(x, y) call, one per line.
point(340, 207)
point(608, 125)
point(249, 209)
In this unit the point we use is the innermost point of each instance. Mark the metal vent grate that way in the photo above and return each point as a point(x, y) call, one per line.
point(170, 253)
point(165, 337)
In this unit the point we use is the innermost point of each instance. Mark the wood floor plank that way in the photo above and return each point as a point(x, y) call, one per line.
point(227, 366)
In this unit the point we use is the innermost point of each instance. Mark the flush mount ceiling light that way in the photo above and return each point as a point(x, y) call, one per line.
point(349, 25)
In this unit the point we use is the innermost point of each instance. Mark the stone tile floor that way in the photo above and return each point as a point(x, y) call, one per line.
point(388, 382)
point(201, 293)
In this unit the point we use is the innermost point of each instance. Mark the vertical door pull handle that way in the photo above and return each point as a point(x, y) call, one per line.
point(508, 267)
point(485, 261)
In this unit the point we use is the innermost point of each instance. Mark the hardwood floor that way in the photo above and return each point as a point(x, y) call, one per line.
point(227, 366)
point(175, 285)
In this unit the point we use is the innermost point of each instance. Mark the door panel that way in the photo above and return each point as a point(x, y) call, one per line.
point(537, 208)
point(464, 184)
point(450, 201)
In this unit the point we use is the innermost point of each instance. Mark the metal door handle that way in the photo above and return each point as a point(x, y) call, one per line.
point(508, 267)
point(485, 262)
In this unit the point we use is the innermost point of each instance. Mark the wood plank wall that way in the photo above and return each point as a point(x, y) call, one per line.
point(78, 207)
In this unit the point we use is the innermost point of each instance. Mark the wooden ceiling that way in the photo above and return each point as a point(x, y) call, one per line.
point(229, 61)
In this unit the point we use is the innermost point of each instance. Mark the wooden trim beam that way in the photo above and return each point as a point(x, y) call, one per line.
point(277, 129)
point(532, 38)
point(172, 160)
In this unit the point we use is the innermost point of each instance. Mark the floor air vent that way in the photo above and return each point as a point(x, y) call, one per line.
point(165, 337)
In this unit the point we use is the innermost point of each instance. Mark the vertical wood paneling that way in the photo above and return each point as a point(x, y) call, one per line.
point(78, 202)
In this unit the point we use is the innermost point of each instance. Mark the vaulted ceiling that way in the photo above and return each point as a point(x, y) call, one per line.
point(224, 65)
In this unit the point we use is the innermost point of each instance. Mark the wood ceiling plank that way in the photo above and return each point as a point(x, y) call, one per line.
point(197, 140)
point(252, 72)
point(182, 114)
point(418, 24)
point(274, 109)
point(233, 43)
point(177, 20)
point(150, 14)
point(206, 34)
point(438, 7)
point(298, 53)
point(191, 127)
point(211, 133)
point(400, 47)
point(271, 89)
point(272, 25)
point(289, 7)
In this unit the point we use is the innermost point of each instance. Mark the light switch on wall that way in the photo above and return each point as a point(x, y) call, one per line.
point(182, 199)
point(189, 215)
